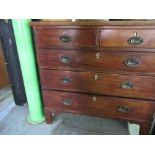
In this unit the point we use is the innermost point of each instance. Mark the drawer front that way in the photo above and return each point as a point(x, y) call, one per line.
point(99, 83)
point(97, 60)
point(137, 38)
point(99, 105)
point(51, 37)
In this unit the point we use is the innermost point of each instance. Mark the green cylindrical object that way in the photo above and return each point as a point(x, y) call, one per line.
point(25, 50)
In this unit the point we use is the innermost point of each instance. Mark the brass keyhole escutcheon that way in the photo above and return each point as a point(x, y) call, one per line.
point(94, 98)
point(96, 76)
point(97, 56)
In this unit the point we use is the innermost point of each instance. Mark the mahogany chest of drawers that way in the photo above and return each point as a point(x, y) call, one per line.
point(104, 69)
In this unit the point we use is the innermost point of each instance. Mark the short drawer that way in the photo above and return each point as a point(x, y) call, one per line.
point(47, 37)
point(123, 37)
point(99, 83)
point(99, 105)
point(97, 60)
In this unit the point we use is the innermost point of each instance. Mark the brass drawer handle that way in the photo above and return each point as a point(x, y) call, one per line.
point(67, 101)
point(66, 80)
point(135, 40)
point(65, 38)
point(65, 59)
point(127, 85)
point(132, 62)
point(123, 108)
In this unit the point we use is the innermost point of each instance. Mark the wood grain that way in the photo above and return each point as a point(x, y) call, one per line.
point(105, 84)
point(87, 60)
point(118, 37)
point(96, 67)
point(103, 105)
point(50, 37)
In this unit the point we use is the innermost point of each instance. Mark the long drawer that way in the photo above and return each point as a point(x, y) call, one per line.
point(128, 37)
point(99, 105)
point(47, 37)
point(99, 83)
point(97, 60)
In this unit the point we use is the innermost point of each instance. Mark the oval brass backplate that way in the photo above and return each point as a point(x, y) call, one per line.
point(65, 59)
point(66, 80)
point(67, 101)
point(65, 38)
point(127, 85)
point(135, 40)
point(123, 108)
point(132, 62)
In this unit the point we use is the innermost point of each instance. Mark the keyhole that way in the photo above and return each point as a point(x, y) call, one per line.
point(94, 98)
point(97, 55)
point(96, 77)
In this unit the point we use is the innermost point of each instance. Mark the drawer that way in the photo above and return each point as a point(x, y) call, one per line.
point(47, 37)
point(99, 105)
point(99, 83)
point(97, 60)
point(137, 38)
